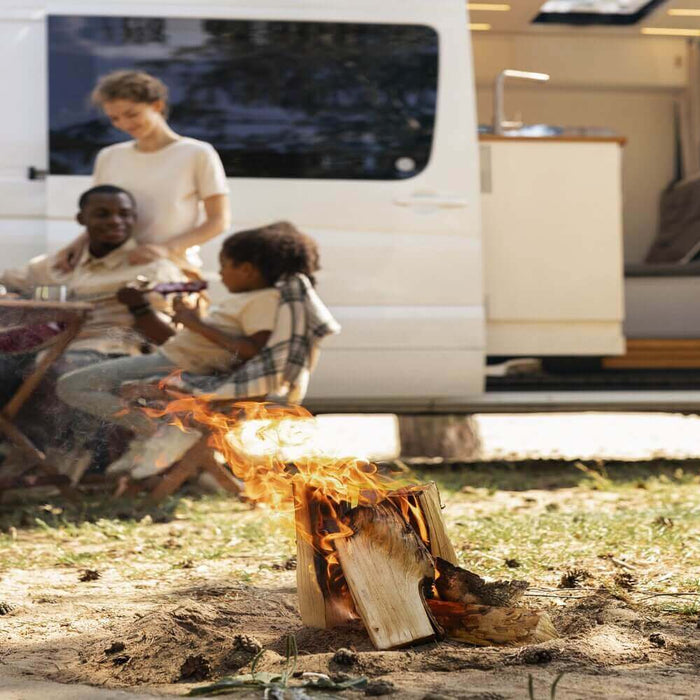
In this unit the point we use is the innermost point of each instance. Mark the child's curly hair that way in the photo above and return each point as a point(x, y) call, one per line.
point(277, 250)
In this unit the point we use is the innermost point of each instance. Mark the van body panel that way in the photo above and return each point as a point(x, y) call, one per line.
point(394, 327)
point(399, 376)
point(402, 259)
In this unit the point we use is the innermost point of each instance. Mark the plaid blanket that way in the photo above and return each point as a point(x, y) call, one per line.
point(283, 366)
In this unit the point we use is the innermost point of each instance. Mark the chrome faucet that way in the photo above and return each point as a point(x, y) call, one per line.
point(499, 121)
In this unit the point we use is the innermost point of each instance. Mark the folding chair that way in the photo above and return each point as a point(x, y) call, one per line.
point(31, 326)
point(279, 374)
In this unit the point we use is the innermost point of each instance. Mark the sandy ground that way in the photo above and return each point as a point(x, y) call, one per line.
point(130, 629)
point(131, 634)
point(612, 436)
point(19, 687)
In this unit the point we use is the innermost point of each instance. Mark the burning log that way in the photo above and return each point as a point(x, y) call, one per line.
point(458, 585)
point(370, 561)
point(380, 560)
point(421, 507)
point(386, 567)
point(486, 625)
point(320, 603)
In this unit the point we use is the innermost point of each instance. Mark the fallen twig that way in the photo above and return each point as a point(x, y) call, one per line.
point(623, 564)
point(662, 595)
point(647, 594)
point(555, 595)
point(500, 560)
point(554, 590)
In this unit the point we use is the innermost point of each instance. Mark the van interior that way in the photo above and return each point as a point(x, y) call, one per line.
point(611, 68)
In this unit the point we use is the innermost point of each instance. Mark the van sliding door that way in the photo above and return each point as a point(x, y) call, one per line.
point(355, 121)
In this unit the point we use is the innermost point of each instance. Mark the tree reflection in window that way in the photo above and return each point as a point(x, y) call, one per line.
point(276, 99)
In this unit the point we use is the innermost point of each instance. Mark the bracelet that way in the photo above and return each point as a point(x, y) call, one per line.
point(140, 310)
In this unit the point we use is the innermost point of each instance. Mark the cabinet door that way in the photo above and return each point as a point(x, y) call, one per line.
point(553, 244)
point(355, 121)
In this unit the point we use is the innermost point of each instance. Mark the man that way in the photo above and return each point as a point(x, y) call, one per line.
point(108, 214)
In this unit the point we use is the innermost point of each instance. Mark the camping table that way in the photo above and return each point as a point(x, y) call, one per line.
point(17, 312)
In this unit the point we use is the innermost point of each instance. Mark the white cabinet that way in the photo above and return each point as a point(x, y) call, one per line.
point(552, 236)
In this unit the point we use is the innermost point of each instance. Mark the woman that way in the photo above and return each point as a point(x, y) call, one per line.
point(172, 177)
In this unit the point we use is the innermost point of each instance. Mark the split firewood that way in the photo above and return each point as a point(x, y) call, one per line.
point(427, 499)
point(320, 605)
point(458, 585)
point(386, 566)
point(485, 625)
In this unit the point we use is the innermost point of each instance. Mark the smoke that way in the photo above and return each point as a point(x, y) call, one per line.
point(49, 423)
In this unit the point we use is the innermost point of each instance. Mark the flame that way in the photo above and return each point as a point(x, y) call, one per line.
point(324, 487)
point(269, 478)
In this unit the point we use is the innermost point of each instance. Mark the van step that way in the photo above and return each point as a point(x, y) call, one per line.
point(657, 353)
point(609, 380)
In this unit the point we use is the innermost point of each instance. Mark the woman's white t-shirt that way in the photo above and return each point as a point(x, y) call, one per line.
point(168, 185)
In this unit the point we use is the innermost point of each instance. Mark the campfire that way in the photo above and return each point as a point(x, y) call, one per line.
point(369, 548)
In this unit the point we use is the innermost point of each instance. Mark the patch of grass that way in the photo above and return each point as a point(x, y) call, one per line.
point(129, 536)
point(557, 474)
point(608, 519)
point(76, 558)
point(553, 517)
point(681, 607)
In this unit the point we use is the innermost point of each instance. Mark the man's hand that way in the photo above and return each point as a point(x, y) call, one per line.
point(131, 297)
point(147, 253)
point(186, 313)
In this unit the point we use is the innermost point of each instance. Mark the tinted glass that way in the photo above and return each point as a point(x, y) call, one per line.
point(276, 99)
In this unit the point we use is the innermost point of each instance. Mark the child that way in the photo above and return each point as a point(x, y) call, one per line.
point(251, 262)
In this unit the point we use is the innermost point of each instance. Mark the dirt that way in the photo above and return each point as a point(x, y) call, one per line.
point(165, 637)
point(158, 612)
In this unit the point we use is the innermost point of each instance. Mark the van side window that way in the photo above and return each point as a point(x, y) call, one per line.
point(276, 99)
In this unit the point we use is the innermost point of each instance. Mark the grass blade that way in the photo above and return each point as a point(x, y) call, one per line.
point(553, 689)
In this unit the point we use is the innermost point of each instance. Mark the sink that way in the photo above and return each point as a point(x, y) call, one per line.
point(548, 130)
point(533, 130)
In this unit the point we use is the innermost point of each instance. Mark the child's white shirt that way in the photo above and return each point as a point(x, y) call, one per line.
point(240, 315)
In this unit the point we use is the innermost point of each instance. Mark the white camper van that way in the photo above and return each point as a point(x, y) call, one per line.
point(450, 243)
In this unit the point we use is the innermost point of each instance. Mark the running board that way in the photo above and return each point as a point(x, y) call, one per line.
point(524, 402)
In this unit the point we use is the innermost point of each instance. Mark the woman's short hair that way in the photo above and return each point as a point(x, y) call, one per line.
point(278, 250)
point(133, 85)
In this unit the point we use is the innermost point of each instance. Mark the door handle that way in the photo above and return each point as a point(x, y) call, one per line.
point(34, 173)
point(432, 201)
